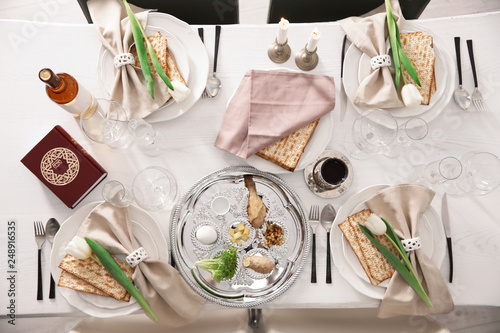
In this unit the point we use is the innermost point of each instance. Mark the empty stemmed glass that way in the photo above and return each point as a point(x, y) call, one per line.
point(105, 121)
point(117, 194)
point(374, 132)
point(154, 188)
point(413, 130)
point(481, 173)
point(150, 141)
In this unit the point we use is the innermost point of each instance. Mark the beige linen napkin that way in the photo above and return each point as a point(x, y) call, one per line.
point(402, 206)
point(129, 87)
point(269, 105)
point(370, 35)
point(172, 300)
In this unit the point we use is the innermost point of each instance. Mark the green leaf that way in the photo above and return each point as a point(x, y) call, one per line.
point(141, 49)
point(109, 263)
point(392, 28)
point(156, 63)
point(409, 66)
point(392, 234)
point(398, 265)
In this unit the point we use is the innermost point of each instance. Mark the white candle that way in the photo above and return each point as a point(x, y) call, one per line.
point(283, 30)
point(313, 40)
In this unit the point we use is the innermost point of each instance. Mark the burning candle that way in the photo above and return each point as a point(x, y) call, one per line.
point(283, 30)
point(313, 40)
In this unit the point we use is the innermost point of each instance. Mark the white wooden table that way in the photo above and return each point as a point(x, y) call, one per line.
point(27, 115)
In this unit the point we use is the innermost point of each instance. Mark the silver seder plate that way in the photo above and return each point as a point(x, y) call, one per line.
point(247, 288)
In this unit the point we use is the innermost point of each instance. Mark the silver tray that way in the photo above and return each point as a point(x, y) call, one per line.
point(246, 288)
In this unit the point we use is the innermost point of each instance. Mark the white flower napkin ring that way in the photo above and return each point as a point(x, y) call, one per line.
point(381, 61)
point(411, 244)
point(124, 59)
point(136, 257)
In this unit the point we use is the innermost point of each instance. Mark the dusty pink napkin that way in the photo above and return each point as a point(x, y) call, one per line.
point(269, 105)
point(172, 300)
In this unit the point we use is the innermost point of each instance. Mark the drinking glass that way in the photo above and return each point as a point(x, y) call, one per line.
point(105, 121)
point(414, 129)
point(373, 132)
point(154, 188)
point(481, 173)
point(440, 171)
point(117, 194)
point(150, 141)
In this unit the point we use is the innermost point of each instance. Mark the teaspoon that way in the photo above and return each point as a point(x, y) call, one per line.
point(51, 229)
point(213, 82)
point(326, 218)
point(461, 96)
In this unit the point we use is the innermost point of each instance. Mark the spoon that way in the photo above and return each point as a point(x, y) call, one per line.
point(213, 82)
point(51, 229)
point(326, 218)
point(461, 96)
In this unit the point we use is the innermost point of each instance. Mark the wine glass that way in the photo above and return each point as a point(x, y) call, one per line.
point(414, 129)
point(373, 132)
point(150, 141)
point(154, 188)
point(105, 121)
point(440, 171)
point(481, 173)
point(117, 194)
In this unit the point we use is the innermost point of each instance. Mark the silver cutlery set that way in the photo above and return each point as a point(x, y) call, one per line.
point(213, 82)
point(461, 96)
point(326, 218)
point(41, 235)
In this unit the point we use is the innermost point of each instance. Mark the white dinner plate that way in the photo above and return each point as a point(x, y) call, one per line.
point(190, 55)
point(431, 232)
point(357, 66)
point(148, 234)
point(316, 145)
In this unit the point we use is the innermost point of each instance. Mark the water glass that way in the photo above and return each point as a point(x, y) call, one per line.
point(440, 171)
point(481, 173)
point(413, 130)
point(155, 188)
point(105, 122)
point(117, 194)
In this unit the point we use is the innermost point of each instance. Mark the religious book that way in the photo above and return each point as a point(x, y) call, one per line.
point(62, 164)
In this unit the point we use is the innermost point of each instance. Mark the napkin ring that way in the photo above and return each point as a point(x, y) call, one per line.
point(124, 59)
point(381, 61)
point(411, 244)
point(136, 257)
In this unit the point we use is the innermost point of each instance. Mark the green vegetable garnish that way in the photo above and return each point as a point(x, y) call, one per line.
point(399, 56)
point(139, 38)
point(222, 266)
point(108, 262)
point(405, 269)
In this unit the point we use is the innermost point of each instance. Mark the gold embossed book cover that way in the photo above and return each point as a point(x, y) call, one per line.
point(64, 167)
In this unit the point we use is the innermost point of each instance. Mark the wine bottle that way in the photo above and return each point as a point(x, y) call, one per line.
point(64, 90)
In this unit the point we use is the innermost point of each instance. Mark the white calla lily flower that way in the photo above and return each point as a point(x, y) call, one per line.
point(180, 92)
point(78, 248)
point(411, 96)
point(375, 224)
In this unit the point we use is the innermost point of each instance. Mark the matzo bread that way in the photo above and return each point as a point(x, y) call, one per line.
point(287, 151)
point(68, 280)
point(419, 48)
point(165, 58)
point(375, 265)
point(96, 275)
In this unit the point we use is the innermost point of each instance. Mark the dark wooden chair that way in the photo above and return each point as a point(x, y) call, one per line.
point(189, 11)
point(333, 10)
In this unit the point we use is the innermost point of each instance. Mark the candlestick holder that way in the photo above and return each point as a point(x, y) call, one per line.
point(306, 60)
point(279, 53)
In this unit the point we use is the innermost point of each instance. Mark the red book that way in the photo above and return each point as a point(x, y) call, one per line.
point(64, 167)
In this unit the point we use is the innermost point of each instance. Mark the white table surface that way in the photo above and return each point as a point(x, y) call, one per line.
point(27, 115)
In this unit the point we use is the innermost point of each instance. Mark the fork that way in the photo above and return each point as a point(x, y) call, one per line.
point(40, 239)
point(477, 97)
point(314, 221)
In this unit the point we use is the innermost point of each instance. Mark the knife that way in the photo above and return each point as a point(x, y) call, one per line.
point(446, 222)
point(343, 96)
